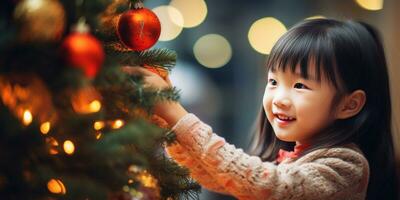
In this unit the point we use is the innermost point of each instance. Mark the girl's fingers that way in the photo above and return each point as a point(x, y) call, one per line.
point(168, 80)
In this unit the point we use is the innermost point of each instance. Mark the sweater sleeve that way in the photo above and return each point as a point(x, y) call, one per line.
point(197, 171)
point(334, 174)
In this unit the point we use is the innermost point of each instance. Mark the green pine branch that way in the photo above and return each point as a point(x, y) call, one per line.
point(163, 58)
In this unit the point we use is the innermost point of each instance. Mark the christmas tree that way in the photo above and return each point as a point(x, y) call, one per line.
point(73, 124)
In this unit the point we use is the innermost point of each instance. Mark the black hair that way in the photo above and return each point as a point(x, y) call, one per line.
point(351, 56)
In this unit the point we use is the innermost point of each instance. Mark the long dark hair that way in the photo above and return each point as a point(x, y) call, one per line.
point(350, 54)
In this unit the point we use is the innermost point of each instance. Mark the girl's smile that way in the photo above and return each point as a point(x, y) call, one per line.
point(283, 120)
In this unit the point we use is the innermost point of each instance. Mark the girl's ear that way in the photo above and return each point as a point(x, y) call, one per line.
point(351, 105)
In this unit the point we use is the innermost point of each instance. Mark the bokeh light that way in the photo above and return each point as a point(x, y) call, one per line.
point(69, 147)
point(95, 106)
point(264, 33)
point(171, 22)
point(194, 11)
point(27, 117)
point(117, 124)
point(52, 145)
point(212, 51)
point(98, 125)
point(370, 4)
point(45, 127)
point(56, 186)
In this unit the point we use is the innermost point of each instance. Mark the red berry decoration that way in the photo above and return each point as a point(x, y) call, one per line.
point(139, 29)
point(84, 51)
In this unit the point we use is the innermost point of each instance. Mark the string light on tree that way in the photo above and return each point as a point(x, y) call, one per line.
point(27, 118)
point(69, 147)
point(45, 128)
point(52, 145)
point(139, 28)
point(86, 100)
point(98, 135)
point(98, 125)
point(56, 186)
point(117, 124)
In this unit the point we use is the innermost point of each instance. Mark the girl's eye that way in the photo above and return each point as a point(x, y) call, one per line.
point(300, 86)
point(272, 81)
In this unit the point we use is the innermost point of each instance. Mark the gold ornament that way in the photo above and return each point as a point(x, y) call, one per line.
point(40, 20)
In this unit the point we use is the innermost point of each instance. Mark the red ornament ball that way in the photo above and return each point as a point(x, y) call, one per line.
point(84, 51)
point(139, 29)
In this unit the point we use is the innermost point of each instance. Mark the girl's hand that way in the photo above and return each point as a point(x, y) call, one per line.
point(170, 111)
point(150, 79)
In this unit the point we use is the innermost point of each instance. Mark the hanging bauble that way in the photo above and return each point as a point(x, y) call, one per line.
point(81, 49)
point(139, 29)
point(40, 20)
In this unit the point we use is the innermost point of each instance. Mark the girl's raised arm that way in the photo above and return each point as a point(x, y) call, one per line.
point(334, 173)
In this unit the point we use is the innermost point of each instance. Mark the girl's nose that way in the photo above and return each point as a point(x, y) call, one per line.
point(281, 102)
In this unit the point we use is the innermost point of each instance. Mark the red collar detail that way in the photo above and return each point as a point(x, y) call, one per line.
point(283, 154)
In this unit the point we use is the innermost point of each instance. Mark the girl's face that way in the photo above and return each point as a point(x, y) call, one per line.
point(298, 108)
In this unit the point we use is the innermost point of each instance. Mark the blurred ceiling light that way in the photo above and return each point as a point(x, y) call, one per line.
point(264, 33)
point(370, 4)
point(316, 17)
point(212, 51)
point(171, 22)
point(193, 11)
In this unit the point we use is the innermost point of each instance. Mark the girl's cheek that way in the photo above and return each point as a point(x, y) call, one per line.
point(267, 102)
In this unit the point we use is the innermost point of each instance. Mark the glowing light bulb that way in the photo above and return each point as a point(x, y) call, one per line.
point(98, 125)
point(98, 135)
point(56, 186)
point(52, 145)
point(147, 180)
point(69, 147)
point(45, 128)
point(117, 124)
point(95, 106)
point(27, 117)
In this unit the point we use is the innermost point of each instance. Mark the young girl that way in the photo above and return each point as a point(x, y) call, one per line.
point(325, 123)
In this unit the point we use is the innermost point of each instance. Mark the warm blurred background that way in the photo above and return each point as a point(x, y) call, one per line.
point(222, 46)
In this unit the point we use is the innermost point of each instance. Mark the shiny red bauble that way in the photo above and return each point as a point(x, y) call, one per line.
point(139, 29)
point(84, 51)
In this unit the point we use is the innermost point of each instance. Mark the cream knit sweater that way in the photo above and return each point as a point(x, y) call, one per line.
point(334, 173)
